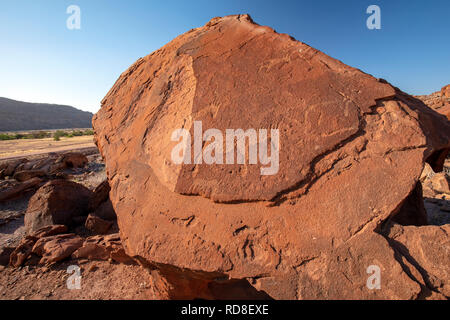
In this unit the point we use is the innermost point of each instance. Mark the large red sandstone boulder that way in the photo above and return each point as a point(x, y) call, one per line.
point(351, 150)
point(57, 202)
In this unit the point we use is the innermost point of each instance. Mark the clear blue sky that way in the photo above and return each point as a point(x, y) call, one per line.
point(42, 61)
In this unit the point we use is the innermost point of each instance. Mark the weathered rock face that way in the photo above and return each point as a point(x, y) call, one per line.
point(351, 150)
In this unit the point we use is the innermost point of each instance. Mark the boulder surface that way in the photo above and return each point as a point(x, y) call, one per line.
point(351, 149)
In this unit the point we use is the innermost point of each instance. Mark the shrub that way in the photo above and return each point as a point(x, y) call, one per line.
point(58, 134)
point(88, 132)
point(5, 136)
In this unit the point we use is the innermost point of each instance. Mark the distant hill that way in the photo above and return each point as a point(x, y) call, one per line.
point(18, 115)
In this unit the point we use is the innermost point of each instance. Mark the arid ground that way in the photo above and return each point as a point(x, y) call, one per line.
point(18, 148)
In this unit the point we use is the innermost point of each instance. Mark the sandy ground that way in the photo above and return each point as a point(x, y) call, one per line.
point(27, 147)
point(99, 280)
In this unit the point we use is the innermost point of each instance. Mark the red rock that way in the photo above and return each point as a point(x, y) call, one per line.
point(28, 174)
point(22, 252)
point(106, 211)
point(440, 183)
point(57, 247)
point(427, 249)
point(439, 101)
point(101, 194)
point(352, 149)
point(57, 202)
point(412, 211)
point(5, 254)
point(97, 224)
point(73, 160)
point(19, 189)
point(445, 91)
point(9, 166)
point(49, 231)
point(103, 248)
point(24, 249)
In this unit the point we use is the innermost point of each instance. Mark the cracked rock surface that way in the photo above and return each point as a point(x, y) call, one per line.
point(352, 149)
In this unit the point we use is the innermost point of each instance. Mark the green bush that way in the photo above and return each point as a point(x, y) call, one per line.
point(88, 132)
point(5, 136)
point(58, 134)
point(45, 134)
point(77, 133)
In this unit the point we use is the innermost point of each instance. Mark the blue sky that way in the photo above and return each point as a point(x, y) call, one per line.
point(43, 61)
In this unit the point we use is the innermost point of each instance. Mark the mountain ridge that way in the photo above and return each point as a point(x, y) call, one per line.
point(18, 115)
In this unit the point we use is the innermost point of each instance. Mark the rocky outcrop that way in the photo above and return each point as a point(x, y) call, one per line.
point(351, 151)
point(439, 100)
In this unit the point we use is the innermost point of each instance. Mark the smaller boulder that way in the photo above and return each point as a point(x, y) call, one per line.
point(73, 160)
point(97, 225)
point(57, 247)
point(57, 202)
point(106, 211)
point(5, 253)
point(101, 194)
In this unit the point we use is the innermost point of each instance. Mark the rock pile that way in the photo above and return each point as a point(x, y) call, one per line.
point(20, 175)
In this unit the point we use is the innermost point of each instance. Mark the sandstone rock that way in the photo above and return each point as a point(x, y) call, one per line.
point(28, 174)
point(19, 189)
point(22, 252)
point(24, 249)
point(57, 202)
point(351, 150)
point(103, 248)
point(73, 160)
point(101, 194)
point(427, 173)
point(5, 253)
point(57, 247)
point(445, 91)
point(439, 101)
point(440, 183)
point(97, 224)
point(9, 166)
point(106, 211)
point(412, 211)
point(427, 249)
point(49, 231)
